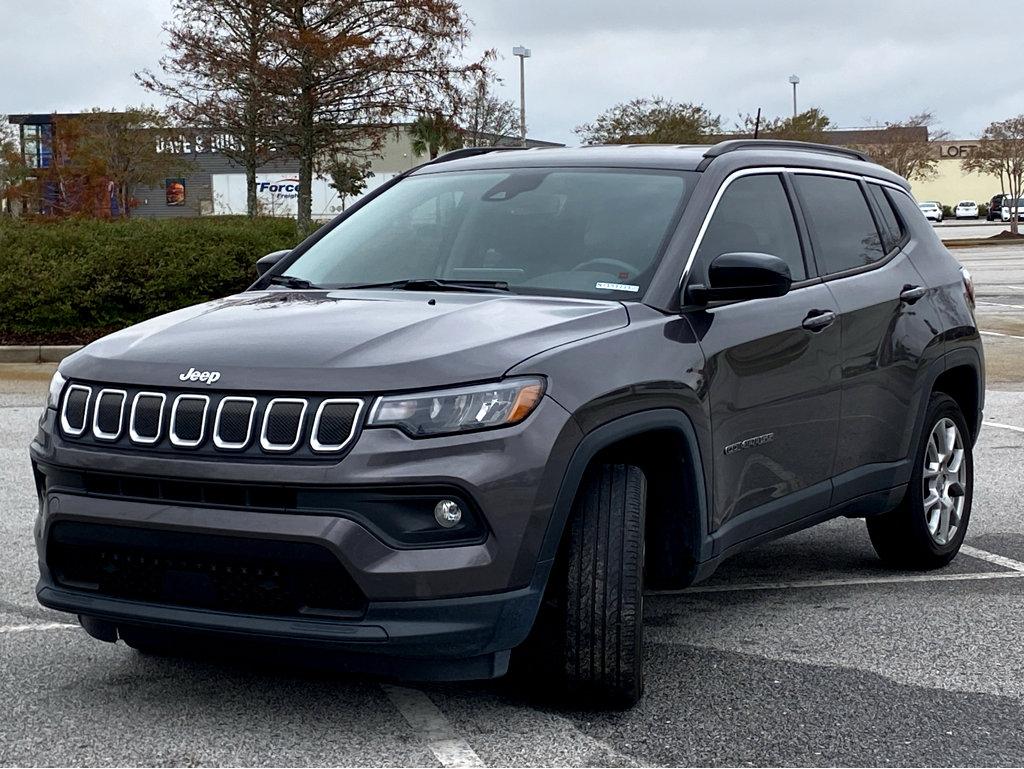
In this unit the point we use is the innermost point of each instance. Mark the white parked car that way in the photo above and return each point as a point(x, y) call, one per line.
point(932, 211)
point(1007, 203)
point(966, 209)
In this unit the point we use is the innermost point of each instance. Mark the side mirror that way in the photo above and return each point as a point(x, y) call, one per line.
point(266, 262)
point(743, 275)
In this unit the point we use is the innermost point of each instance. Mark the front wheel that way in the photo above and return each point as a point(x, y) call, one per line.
point(927, 529)
point(602, 638)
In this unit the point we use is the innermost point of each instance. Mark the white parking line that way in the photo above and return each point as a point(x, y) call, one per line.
point(1000, 560)
point(810, 583)
point(1002, 426)
point(38, 626)
point(433, 727)
point(982, 303)
point(998, 333)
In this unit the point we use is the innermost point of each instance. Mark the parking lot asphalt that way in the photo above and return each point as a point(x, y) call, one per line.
point(804, 651)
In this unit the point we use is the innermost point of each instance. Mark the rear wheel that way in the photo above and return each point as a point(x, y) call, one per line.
point(602, 637)
point(927, 529)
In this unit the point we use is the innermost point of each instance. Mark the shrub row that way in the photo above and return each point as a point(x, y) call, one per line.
point(76, 279)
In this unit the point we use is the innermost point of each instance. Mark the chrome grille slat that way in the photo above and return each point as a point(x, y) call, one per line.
point(218, 440)
point(144, 438)
point(330, 444)
point(101, 414)
point(65, 423)
point(177, 440)
point(266, 442)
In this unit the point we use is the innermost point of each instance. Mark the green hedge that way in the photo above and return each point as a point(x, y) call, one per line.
point(80, 278)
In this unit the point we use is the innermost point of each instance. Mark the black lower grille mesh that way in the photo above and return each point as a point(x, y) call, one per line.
point(146, 422)
point(202, 571)
point(109, 406)
point(335, 424)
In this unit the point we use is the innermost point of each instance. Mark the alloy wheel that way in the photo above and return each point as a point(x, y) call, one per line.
point(944, 481)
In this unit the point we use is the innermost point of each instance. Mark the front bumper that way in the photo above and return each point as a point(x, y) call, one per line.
point(461, 606)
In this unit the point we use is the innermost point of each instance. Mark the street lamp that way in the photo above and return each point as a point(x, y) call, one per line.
point(794, 79)
point(523, 54)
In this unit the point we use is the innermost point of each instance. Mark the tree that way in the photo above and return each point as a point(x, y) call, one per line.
point(99, 158)
point(348, 68)
point(808, 126)
point(13, 171)
point(348, 177)
point(487, 120)
point(433, 132)
point(1000, 152)
point(215, 77)
point(907, 147)
point(651, 121)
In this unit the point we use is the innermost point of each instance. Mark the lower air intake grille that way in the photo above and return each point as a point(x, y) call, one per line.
point(249, 576)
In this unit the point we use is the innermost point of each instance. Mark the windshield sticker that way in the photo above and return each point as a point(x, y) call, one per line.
point(618, 287)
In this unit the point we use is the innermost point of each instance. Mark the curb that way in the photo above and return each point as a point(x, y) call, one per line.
point(971, 243)
point(36, 353)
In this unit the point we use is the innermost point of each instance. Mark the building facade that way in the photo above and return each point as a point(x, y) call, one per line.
point(951, 183)
point(209, 183)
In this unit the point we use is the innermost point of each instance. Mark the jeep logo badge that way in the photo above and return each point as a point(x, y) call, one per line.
point(209, 377)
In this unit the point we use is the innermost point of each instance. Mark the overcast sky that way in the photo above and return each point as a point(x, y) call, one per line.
point(861, 61)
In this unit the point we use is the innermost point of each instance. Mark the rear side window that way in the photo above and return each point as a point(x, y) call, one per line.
point(892, 230)
point(754, 215)
point(842, 229)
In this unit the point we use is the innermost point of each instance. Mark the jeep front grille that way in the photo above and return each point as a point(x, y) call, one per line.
point(198, 422)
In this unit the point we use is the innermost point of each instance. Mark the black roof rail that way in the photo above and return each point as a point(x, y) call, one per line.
point(469, 152)
point(733, 145)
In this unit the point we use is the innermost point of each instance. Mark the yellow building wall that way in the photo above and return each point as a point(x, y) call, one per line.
point(951, 185)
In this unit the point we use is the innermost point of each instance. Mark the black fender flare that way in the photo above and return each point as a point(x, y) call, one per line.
point(601, 438)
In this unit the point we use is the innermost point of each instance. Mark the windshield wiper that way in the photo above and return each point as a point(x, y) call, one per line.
point(437, 284)
point(290, 281)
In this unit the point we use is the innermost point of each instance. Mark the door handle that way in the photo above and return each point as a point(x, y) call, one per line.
point(816, 320)
point(911, 294)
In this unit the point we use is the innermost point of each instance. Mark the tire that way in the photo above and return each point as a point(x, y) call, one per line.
point(602, 629)
point(912, 536)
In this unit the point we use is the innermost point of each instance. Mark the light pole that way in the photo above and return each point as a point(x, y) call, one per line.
point(794, 79)
point(523, 54)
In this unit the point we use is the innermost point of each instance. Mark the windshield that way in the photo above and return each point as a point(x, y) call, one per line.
point(593, 232)
point(928, 205)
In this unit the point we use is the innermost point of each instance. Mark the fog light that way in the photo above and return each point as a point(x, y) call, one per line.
point(447, 513)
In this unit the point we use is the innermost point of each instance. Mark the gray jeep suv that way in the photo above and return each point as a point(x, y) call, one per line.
point(503, 393)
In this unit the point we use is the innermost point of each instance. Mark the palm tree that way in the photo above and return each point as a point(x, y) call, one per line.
point(433, 132)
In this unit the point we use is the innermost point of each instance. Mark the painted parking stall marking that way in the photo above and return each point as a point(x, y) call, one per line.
point(38, 626)
point(423, 716)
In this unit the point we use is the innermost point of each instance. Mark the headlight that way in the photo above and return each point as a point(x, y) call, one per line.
point(461, 409)
point(56, 387)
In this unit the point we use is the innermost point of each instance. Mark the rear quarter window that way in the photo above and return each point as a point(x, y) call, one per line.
point(893, 232)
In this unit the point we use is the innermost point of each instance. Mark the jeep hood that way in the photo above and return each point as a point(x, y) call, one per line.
point(343, 341)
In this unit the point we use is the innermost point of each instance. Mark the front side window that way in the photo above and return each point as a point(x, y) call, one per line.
point(754, 215)
point(540, 230)
point(842, 229)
